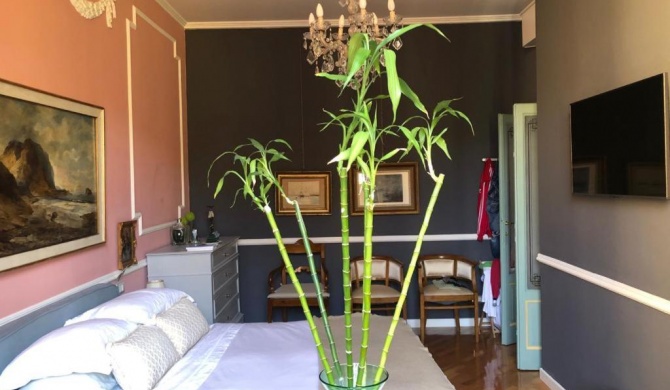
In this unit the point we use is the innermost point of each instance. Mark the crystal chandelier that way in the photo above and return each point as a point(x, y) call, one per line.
point(327, 50)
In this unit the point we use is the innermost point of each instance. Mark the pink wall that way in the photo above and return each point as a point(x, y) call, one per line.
point(48, 46)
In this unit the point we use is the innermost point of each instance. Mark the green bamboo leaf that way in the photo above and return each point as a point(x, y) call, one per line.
point(256, 144)
point(343, 155)
point(356, 42)
point(407, 91)
point(219, 186)
point(357, 144)
point(334, 77)
point(359, 59)
point(392, 80)
point(392, 153)
point(395, 35)
point(443, 145)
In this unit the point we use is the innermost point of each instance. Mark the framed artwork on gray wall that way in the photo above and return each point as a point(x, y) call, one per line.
point(52, 194)
point(310, 189)
point(397, 189)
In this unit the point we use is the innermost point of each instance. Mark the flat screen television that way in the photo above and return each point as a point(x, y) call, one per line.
point(620, 141)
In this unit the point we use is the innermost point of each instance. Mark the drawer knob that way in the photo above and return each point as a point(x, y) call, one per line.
point(228, 295)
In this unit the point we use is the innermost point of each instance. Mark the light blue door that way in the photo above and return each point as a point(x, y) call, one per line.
point(507, 250)
point(527, 240)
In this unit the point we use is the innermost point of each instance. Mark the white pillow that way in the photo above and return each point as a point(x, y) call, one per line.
point(92, 381)
point(139, 306)
point(77, 348)
point(184, 324)
point(140, 360)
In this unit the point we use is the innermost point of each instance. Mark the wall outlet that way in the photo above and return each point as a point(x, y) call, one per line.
point(121, 287)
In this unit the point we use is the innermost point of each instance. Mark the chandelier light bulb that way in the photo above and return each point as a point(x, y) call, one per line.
point(311, 19)
point(363, 4)
point(341, 22)
point(319, 11)
point(391, 5)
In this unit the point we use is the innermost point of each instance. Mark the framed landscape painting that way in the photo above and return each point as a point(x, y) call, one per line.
point(310, 189)
point(51, 176)
point(397, 189)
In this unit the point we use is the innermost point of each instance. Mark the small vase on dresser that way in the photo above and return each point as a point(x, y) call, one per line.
point(209, 274)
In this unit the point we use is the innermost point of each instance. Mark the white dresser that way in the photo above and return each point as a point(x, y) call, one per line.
point(210, 277)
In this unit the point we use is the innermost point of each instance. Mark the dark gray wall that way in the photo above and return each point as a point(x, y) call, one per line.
point(593, 338)
point(256, 83)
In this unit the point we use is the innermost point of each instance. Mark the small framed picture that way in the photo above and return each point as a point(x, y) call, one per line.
point(310, 189)
point(397, 189)
point(127, 243)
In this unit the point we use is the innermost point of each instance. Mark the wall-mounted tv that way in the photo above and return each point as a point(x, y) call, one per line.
point(620, 141)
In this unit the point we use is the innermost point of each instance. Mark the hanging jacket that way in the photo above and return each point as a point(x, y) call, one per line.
point(482, 216)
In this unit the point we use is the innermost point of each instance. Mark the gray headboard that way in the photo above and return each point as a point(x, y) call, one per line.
point(17, 335)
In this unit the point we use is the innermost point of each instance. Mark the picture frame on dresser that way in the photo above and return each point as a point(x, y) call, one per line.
point(52, 172)
point(210, 277)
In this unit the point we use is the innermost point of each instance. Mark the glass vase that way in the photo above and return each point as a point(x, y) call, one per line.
point(368, 383)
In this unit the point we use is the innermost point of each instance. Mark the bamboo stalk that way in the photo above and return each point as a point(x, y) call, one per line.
point(298, 288)
point(409, 274)
point(367, 275)
point(346, 271)
point(317, 286)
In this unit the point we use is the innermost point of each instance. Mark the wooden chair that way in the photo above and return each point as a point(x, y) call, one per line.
point(281, 291)
point(435, 294)
point(387, 279)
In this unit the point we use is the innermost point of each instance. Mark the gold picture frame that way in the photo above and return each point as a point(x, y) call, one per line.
point(127, 239)
point(54, 199)
point(311, 189)
point(397, 189)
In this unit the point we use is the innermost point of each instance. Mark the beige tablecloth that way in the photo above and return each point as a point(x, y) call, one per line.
point(409, 363)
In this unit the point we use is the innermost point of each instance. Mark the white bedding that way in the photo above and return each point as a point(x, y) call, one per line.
point(249, 356)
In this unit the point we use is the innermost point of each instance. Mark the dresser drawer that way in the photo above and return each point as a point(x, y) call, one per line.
point(222, 276)
point(229, 311)
point(224, 293)
point(223, 254)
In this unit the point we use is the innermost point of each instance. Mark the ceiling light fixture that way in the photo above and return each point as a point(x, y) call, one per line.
point(328, 50)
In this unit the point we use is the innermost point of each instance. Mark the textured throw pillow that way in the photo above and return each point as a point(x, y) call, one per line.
point(91, 381)
point(140, 360)
point(139, 306)
point(79, 348)
point(184, 324)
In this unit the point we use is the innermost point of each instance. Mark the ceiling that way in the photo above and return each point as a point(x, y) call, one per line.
point(294, 13)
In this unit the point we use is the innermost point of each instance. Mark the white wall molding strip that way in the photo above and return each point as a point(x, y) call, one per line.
point(359, 239)
point(131, 25)
point(173, 12)
point(550, 381)
point(442, 323)
point(643, 297)
point(110, 277)
point(303, 23)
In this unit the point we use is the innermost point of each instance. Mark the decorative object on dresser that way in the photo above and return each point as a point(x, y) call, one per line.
point(127, 239)
point(51, 176)
point(210, 277)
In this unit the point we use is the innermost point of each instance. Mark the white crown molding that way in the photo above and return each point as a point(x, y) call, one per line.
point(529, 6)
point(359, 239)
point(303, 23)
point(643, 297)
point(131, 25)
point(173, 12)
point(110, 277)
point(550, 381)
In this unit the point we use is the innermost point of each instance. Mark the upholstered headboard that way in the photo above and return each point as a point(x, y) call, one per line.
point(17, 335)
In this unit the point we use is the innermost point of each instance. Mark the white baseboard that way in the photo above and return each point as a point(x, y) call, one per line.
point(110, 277)
point(549, 381)
point(441, 322)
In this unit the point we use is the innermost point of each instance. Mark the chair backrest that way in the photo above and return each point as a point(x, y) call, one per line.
point(447, 265)
point(298, 248)
point(384, 268)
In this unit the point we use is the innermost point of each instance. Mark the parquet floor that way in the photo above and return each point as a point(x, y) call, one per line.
point(486, 366)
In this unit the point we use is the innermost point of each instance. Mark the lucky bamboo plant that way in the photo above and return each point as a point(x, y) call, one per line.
point(361, 139)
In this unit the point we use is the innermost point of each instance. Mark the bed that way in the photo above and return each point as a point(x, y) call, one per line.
point(223, 356)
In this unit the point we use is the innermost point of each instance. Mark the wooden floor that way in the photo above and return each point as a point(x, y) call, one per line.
point(488, 365)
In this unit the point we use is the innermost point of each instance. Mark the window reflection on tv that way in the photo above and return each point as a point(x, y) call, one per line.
point(619, 141)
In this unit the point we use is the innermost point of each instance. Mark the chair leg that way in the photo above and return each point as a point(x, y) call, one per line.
point(477, 328)
point(458, 321)
point(284, 316)
point(422, 321)
point(404, 311)
point(269, 311)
